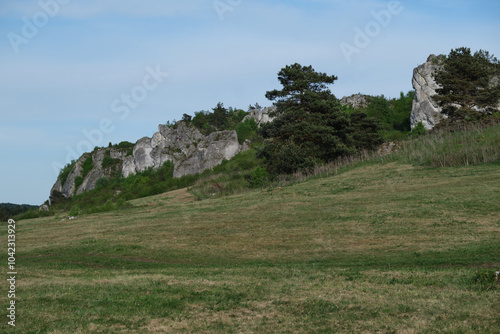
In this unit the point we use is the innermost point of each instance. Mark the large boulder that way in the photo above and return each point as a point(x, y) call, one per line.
point(424, 108)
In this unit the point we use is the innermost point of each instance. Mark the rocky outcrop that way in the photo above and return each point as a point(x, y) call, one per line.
point(190, 151)
point(424, 109)
point(356, 101)
point(73, 186)
point(261, 116)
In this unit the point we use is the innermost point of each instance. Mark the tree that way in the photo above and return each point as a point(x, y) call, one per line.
point(246, 129)
point(256, 106)
point(401, 111)
point(468, 88)
point(380, 108)
point(219, 117)
point(309, 124)
point(365, 131)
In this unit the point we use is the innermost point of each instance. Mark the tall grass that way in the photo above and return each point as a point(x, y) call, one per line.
point(470, 145)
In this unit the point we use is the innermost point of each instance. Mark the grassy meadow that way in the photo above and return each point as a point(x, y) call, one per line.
point(385, 246)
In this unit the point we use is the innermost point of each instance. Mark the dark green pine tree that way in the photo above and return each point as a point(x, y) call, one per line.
point(468, 84)
point(310, 125)
point(219, 117)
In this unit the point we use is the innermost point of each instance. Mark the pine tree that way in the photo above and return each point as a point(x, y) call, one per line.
point(310, 125)
point(468, 89)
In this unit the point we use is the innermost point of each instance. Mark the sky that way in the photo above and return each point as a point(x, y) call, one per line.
point(77, 74)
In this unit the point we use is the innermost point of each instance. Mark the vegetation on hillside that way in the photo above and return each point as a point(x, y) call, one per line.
point(9, 210)
point(393, 114)
point(310, 126)
point(400, 241)
point(311, 132)
point(219, 119)
point(387, 248)
point(470, 85)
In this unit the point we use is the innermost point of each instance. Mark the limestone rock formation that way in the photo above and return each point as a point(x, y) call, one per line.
point(356, 101)
point(424, 109)
point(189, 150)
point(184, 145)
point(261, 116)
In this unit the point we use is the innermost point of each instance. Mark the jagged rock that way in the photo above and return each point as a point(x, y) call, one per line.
point(356, 101)
point(98, 171)
point(44, 207)
point(56, 188)
point(189, 150)
point(424, 109)
point(261, 116)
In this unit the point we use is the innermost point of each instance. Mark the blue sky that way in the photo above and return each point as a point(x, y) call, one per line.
point(66, 65)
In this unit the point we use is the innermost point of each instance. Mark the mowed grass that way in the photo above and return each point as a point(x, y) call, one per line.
point(386, 248)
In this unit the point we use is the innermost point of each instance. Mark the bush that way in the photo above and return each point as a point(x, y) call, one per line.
point(78, 182)
point(260, 176)
point(87, 166)
point(107, 161)
point(418, 130)
point(286, 158)
point(64, 173)
point(102, 183)
point(246, 130)
point(125, 145)
point(75, 210)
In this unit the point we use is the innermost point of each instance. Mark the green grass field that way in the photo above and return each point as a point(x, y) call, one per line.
point(382, 247)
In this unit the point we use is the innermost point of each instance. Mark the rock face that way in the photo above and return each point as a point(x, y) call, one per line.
point(424, 109)
point(189, 150)
point(356, 101)
point(261, 116)
point(184, 145)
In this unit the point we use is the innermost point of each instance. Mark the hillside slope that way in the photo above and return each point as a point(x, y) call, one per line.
point(379, 248)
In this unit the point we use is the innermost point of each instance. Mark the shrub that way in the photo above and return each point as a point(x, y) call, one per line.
point(102, 183)
point(260, 177)
point(78, 182)
point(75, 210)
point(87, 166)
point(64, 173)
point(418, 130)
point(286, 157)
point(125, 145)
point(107, 161)
point(246, 130)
